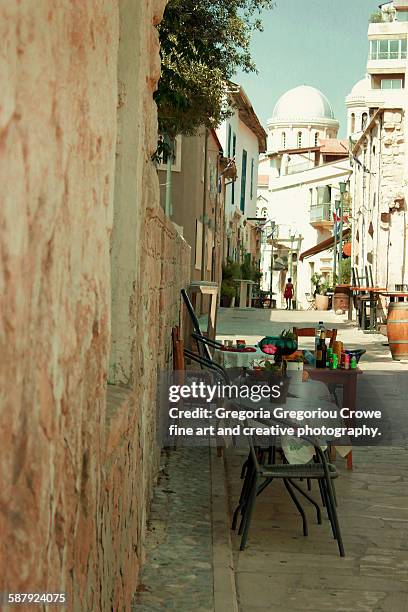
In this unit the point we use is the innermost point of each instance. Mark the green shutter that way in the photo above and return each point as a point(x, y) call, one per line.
point(243, 180)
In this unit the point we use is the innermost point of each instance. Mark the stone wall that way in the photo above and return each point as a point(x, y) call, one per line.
point(379, 201)
point(76, 471)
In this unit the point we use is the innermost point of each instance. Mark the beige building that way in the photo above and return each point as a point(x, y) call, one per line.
point(197, 187)
point(380, 162)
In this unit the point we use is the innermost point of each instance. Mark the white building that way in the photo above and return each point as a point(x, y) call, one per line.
point(243, 139)
point(357, 109)
point(380, 154)
point(298, 186)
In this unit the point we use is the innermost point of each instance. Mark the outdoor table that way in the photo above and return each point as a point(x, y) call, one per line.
point(373, 293)
point(395, 296)
point(347, 379)
point(236, 359)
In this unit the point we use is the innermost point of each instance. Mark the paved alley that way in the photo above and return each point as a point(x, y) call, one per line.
point(280, 569)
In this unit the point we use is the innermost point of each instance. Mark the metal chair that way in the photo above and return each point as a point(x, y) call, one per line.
point(202, 342)
point(319, 470)
point(311, 302)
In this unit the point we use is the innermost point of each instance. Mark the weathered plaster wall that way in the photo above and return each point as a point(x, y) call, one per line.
point(76, 472)
point(379, 207)
point(57, 147)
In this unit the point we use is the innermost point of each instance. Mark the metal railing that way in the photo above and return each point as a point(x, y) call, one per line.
point(387, 55)
point(321, 212)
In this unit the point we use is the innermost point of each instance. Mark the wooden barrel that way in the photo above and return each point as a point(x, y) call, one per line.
point(341, 297)
point(341, 301)
point(397, 330)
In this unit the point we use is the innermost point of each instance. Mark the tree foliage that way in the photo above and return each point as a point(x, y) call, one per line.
point(203, 43)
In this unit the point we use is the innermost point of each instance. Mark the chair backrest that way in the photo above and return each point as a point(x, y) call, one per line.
point(369, 276)
point(203, 349)
point(356, 279)
point(309, 332)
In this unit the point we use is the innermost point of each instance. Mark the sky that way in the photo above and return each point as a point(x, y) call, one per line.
point(322, 43)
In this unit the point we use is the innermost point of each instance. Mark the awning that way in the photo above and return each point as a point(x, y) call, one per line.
point(323, 246)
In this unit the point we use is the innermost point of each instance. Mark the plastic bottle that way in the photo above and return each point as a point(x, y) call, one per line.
point(353, 363)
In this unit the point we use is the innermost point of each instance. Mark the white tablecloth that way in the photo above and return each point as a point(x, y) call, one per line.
point(229, 359)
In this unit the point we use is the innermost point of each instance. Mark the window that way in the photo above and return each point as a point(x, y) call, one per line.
point(388, 49)
point(283, 140)
point(229, 141)
point(243, 180)
point(299, 140)
point(316, 139)
point(324, 194)
point(198, 245)
point(353, 123)
point(252, 178)
point(391, 84)
point(364, 119)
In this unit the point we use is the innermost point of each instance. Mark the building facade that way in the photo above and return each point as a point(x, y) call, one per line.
point(197, 186)
point(298, 186)
point(243, 139)
point(90, 271)
point(380, 162)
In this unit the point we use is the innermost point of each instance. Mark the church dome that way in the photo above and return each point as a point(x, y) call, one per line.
point(359, 91)
point(303, 104)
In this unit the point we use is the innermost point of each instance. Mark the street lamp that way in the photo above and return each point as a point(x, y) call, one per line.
point(272, 236)
point(337, 208)
point(343, 187)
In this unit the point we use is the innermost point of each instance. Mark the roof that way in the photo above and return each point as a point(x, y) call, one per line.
point(327, 146)
point(322, 246)
point(333, 146)
point(248, 116)
point(217, 141)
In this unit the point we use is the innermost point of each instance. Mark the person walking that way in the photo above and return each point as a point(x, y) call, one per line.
point(288, 294)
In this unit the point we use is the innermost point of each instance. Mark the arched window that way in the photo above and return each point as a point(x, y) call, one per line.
point(353, 123)
point(283, 140)
point(364, 121)
point(316, 139)
point(299, 140)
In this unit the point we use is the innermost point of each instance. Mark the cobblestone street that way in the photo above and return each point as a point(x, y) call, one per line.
point(179, 572)
point(280, 569)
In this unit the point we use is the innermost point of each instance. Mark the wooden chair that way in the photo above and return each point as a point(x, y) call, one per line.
point(309, 332)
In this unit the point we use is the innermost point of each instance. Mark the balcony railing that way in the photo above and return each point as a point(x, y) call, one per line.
point(387, 55)
point(321, 212)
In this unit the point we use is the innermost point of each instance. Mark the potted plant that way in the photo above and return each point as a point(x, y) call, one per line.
point(230, 271)
point(320, 292)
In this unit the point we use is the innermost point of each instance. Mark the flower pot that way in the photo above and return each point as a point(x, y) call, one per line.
point(322, 302)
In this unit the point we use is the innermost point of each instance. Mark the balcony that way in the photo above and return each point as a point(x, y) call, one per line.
point(321, 215)
point(382, 98)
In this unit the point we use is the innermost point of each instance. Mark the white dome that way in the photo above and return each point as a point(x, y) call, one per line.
point(359, 91)
point(302, 104)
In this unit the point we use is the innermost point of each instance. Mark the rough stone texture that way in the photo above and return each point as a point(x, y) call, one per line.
point(380, 201)
point(76, 473)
